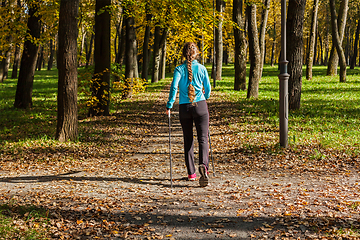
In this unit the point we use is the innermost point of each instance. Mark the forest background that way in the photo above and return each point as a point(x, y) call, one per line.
point(146, 37)
point(103, 53)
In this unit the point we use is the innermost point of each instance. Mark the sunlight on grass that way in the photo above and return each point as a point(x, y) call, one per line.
point(22, 222)
point(329, 115)
point(34, 129)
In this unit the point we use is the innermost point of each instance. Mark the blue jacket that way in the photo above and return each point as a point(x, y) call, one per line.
point(180, 79)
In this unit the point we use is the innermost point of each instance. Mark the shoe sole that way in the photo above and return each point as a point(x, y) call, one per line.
point(204, 179)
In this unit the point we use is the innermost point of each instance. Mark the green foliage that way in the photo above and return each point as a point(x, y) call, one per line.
point(40, 120)
point(35, 128)
point(119, 88)
point(89, 84)
point(133, 85)
point(354, 205)
point(23, 222)
point(329, 116)
point(124, 85)
point(84, 77)
point(353, 232)
point(12, 26)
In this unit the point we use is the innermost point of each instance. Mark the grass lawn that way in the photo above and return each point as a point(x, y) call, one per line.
point(22, 222)
point(327, 123)
point(329, 116)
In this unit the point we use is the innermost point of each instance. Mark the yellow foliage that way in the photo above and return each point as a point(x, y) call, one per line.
point(12, 26)
point(134, 85)
point(89, 84)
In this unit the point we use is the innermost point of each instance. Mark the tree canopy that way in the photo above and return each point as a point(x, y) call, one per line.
point(182, 20)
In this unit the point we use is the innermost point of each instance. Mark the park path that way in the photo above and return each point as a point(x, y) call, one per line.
point(124, 191)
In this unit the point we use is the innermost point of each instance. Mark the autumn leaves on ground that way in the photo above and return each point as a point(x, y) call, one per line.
point(114, 182)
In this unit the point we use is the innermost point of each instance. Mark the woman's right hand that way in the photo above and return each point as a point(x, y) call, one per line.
point(168, 112)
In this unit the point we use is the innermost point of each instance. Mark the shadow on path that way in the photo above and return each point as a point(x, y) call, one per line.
point(163, 182)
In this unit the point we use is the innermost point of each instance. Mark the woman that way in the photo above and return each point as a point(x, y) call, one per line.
point(193, 82)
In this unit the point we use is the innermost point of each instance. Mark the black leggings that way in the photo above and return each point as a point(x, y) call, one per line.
point(198, 113)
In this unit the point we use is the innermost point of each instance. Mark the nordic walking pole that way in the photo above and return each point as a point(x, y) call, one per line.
point(211, 156)
point(171, 182)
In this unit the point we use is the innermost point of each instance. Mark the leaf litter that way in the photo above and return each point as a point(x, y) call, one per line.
point(115, 183)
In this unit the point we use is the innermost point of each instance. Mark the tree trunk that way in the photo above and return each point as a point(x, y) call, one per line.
point(40, 58)
point(116, 39)
point(82, 47)
point(336, 38)
point(163, 62)
point(315, 46)
point(347, 47)
point(101, 80)
point(130, 59)
point(220, 6)
point(156, 55)
point(213, 60)
point(226, 56)
point(145, 65)
point(136, 59)
point(306, 46)
point(2, 70)
point(23, 97)
point(321, 57)
point(122, 44)
point(254, 53)
point(311, 49)
point(356, 43)
point(341, 20)
point(240, 46)
point(273, 46)
point(119, 34)
point(16, 61)
point(5, 61)
point(4, 65)
point(89, 52)
point(67, 114)
point(332, 62)
point(51, 57)
point(159, 42)
point(294, 53)
point(264, 19)
point(326, 60)
point(17, 52)
point(163, 50)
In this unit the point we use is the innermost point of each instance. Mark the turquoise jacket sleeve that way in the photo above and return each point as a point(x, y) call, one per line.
point(173, 88)
point(207, 86)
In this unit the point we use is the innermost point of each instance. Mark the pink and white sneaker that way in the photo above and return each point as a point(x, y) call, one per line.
point(192, 177)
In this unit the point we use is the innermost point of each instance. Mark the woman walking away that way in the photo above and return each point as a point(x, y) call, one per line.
point(193, 82)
